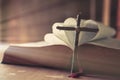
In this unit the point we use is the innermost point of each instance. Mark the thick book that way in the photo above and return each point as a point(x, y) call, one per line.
point(98, 52)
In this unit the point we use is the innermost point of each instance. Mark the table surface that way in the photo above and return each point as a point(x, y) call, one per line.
point(15, 72)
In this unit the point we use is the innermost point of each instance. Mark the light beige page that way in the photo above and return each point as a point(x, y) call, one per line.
point(101, 38)
point(3, 48)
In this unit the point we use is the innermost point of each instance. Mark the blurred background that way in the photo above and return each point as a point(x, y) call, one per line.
point(29, 20)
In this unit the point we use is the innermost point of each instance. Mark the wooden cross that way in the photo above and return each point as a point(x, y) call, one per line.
point(77, 29)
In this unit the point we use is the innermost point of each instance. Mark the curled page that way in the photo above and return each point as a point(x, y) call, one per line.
point(51, 38)
point(59, 33)
point(69, 36)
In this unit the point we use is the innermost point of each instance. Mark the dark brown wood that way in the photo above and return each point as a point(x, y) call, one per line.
point(77, 29)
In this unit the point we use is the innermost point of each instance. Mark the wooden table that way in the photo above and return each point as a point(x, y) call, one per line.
point(15, 72)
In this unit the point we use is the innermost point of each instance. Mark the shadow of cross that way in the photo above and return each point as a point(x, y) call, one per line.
point(75, 55)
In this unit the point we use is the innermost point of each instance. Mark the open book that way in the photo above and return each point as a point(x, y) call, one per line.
point(98, 52)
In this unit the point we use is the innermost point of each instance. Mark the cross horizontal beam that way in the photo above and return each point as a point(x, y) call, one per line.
point(79, 29)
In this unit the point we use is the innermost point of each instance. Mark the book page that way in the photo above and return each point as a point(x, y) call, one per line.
point(60, 33)
point(107, 42)
point(49, 39)
point(3, 48)
point(69, 36)
point(32, 44)
point(64, 37)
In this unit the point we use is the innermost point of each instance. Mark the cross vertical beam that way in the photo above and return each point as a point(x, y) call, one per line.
point(75, 62)
point(78, 28)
